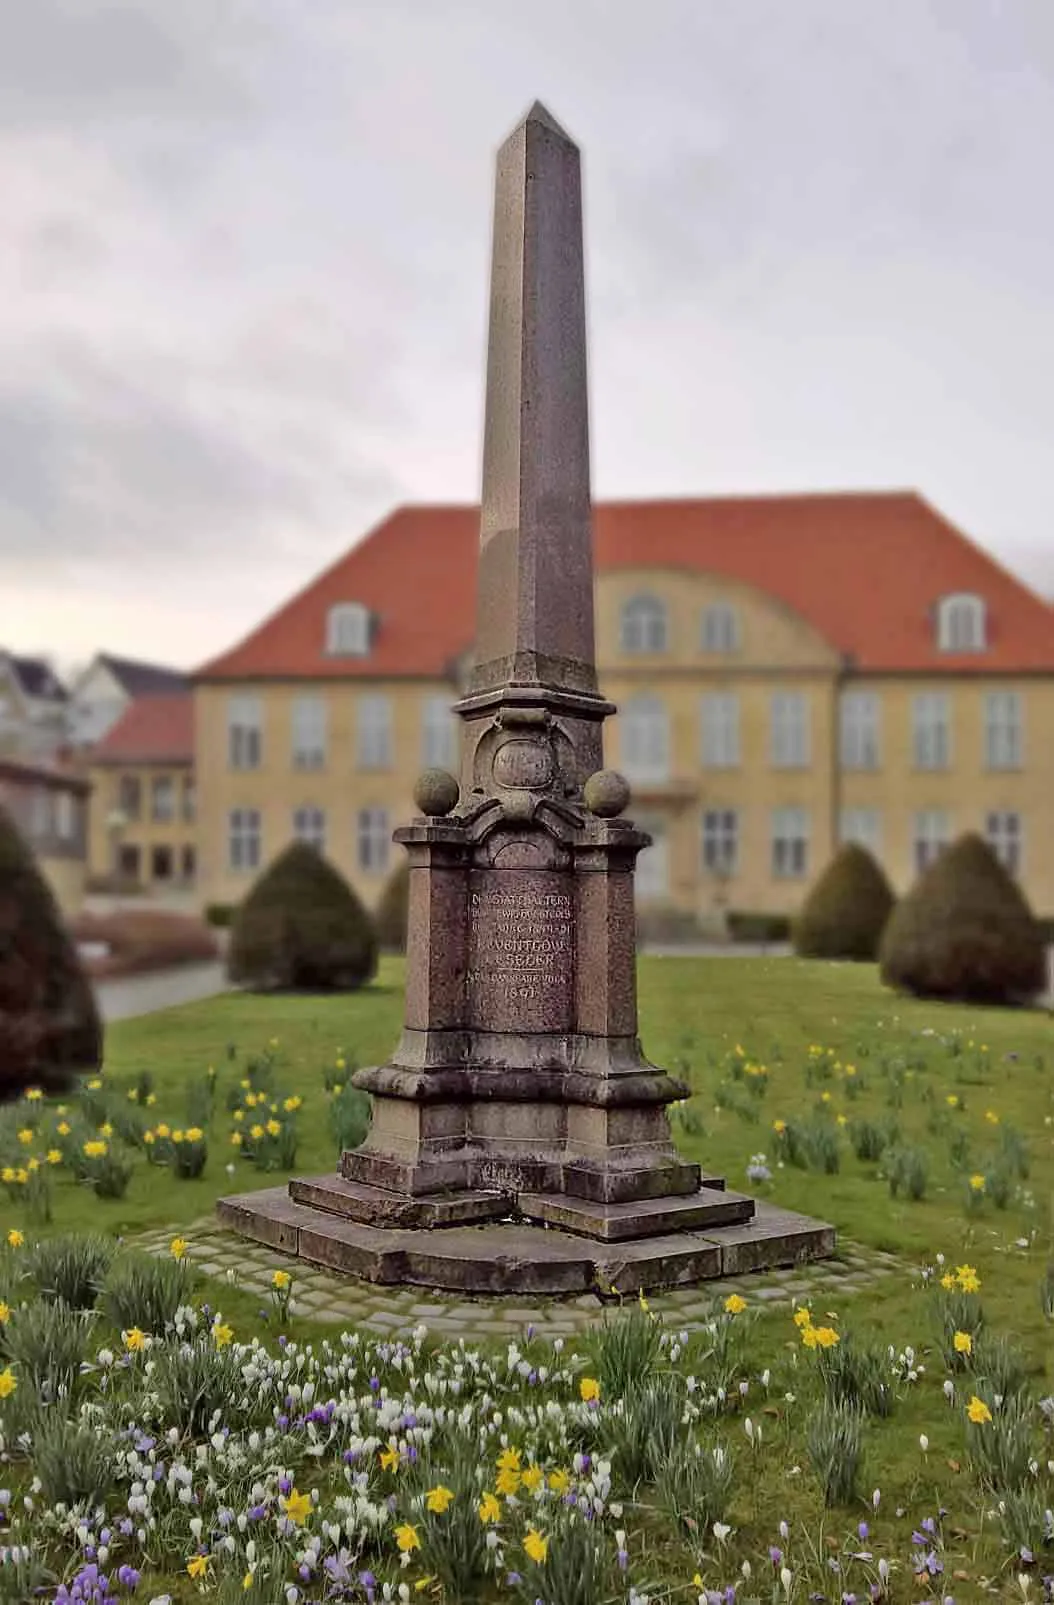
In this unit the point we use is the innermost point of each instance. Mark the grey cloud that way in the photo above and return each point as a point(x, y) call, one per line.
point(74, 62)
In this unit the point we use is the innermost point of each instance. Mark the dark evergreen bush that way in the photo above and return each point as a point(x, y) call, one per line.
point(302, 928)
point(392, 910)
point(50, 1029)
point(965, 931)
point(846, 911)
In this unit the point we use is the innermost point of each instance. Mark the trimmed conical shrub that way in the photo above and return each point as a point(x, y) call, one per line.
point(965, 931)
point(391, 913)
point(302, 928)
point(846, 911)
point(50, 1029)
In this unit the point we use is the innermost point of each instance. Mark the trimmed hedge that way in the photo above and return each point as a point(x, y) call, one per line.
point(302, 928)
point(748, 927)
point(50, 1029)
point(847, 909)
point(965, 932)
point(391, 913)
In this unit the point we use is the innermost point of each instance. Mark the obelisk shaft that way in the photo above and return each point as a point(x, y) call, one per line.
point(535, 601)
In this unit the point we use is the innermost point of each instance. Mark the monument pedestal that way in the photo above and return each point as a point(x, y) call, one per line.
point(519, 1139)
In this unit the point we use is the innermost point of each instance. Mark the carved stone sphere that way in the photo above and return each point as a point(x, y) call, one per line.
point(606, 793)
point(436, 793)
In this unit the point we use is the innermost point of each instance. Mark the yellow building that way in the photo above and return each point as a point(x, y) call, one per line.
point(790, 672)
point(49, 805)
point(142, 830)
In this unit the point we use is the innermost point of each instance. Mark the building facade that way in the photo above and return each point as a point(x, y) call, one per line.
point(142, 831)
point(49, 806)
point(34, 707)
point(790, 673)
point(106, 689)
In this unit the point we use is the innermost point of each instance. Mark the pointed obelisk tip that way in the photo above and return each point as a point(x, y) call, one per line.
point(539, 114)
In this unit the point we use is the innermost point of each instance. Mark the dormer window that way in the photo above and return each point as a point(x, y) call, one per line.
point(348, 630)
point(643, 625)
point(720, 631)
point(961, 623)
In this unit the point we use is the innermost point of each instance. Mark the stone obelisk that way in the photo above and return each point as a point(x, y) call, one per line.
point(518, 1093)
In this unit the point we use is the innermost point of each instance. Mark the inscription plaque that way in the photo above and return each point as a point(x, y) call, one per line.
point(522, 950)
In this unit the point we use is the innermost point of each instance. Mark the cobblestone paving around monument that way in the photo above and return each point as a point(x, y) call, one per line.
point(344, 1301)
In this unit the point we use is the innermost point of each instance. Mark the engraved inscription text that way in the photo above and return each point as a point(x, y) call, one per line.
point(522, 950)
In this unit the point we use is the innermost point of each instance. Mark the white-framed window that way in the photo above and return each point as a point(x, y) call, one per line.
point(1003, 742)
point(309, 825)
point(42, 813)
point(309, 729)
point(720, 628)
point(243, 838)
point(643, 626)
point(653, 864)
point(789, 730)
point(721, 841)
point(862, 826)
point(1003, 831)
point(438, 734)
point(244, 731)
point(932, 833)
point(348, 630)
point(65, 816)
point(719, 730)
point(189, 800)
point(130, 796)
point(790, 843)
point(645, 738)
point(373, 840)
point(163, 799)
point(373, 731)
point(858, 730)
point(931, 734)
point(961, 623)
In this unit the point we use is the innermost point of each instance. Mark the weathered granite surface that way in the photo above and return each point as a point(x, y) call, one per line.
point(515, 1257)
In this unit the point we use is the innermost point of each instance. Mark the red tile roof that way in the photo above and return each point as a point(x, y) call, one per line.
point(152, 730)
point(865, 569)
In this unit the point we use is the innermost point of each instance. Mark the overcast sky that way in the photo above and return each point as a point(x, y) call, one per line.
point(244, 253)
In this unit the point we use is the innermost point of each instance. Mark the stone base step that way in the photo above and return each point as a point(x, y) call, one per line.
point(375, 1206)
point(508, 1258)
point(652, 1217)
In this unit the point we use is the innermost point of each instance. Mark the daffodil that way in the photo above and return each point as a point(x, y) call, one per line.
point(779, 1127)
point(735, 1304)
point(222, 1335)
point(968, 1279)
point(508, 1460)
point(559, 1482)
point(533, 1478)
point(15, 1238)
point(507, 1481)
point(63, 1128)
point(963, 1343)
point(8, 1382)
point(280, 1280)
point(134, 1340)
point(178, 1248)
point(390, 1456)
point(589, 1390)
point(802, 1317)
point(489, 1508)
point(438, 1498)
point(197, 1566)
point(978, 1411)
point(34, 1095)
point(827, 1337)
point(297, 1507)
point(535, 1546)
point(5, 1313)
point(977, 1183)
point(26, 1136)
point(406, 1538)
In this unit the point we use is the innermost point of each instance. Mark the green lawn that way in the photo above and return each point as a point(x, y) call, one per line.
point(797, 1062)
